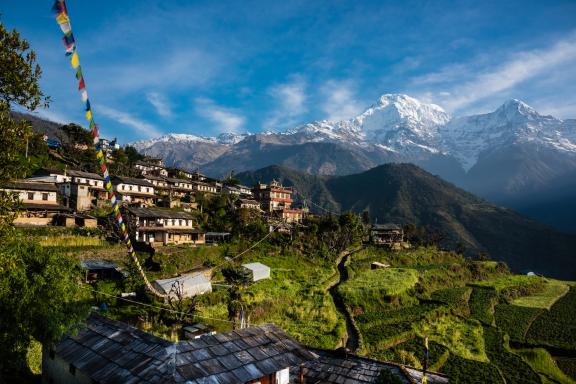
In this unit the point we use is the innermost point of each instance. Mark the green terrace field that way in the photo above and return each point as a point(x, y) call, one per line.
point(468, 310)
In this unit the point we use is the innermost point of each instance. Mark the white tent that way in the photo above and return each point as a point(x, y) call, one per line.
point(259, 271)
point(190, 285)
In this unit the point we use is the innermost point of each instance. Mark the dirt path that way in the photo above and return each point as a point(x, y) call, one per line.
point(352, 339)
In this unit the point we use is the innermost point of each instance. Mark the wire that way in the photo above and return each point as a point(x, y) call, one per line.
point(154, 306)
point(317, 205)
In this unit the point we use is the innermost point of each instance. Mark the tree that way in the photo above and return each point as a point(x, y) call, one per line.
point(39, 294)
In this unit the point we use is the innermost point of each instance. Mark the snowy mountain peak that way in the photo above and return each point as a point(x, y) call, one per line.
point(515, 109)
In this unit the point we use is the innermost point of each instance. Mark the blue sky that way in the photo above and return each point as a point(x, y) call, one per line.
point(206, 67)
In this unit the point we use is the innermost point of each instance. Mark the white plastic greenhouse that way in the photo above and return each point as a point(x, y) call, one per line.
point(189, 285)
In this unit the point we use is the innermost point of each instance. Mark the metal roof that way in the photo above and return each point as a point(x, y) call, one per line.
point(98, 264)
point(109, 351)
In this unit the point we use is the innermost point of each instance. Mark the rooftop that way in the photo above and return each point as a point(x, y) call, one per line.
point(159, 213)
point(28, 186)
point(109, 351)
point(336, 367)
point(131, 180)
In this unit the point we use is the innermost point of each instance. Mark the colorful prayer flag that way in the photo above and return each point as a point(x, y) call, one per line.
point(75, 60)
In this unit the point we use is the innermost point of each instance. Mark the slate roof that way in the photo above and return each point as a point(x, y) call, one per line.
point(109, 351)
point(333, 367)
point(69, 172)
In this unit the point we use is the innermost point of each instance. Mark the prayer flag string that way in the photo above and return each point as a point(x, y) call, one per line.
point(69, 41)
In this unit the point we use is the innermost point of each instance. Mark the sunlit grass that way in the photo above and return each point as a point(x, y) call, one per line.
point(542, 362)
point(553, 290)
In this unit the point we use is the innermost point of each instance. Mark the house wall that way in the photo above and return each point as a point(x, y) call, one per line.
point(37, 197)
point(57, 371)
point(134, 188)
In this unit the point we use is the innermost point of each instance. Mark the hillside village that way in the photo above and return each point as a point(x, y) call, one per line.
point(127, 264)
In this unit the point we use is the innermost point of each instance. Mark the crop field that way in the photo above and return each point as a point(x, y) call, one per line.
point(462, 337)
point(509, 281)
point(481, 304)
point(553, 290)
point(542, 362)
point(556, 327)
point(515, 320)
point(455, 298)
point(514, 369)
point(463, 371)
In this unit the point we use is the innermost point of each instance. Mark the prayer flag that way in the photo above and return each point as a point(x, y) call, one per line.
point(75, 60)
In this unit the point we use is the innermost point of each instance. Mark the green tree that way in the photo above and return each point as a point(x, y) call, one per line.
point(39, 294)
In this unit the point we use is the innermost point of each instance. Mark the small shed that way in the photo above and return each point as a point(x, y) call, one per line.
point(378, 265)
point(196, 331)
point(86, 221)
point(101, 270)
point(259, 271)
point(388, 235)
point(190, 284)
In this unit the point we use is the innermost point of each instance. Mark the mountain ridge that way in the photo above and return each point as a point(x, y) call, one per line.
point(407, 194)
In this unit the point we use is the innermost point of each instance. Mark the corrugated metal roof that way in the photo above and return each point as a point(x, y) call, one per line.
point(109, 351)
point(131, 180)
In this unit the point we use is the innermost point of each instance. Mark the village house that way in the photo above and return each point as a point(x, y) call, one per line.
point(248, 204)
point(387, 235)
point(39, 202)
point(180, 187)
point(81, 191)
point(238, 190)
point(151, 166)
point(277, 201)
point(158, 226)
point(181, 173)
point(108, 351)
point(161, 185)
point(108, 146)
point(200, 186)
point(134, 191)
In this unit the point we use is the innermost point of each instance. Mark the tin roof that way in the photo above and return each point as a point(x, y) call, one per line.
point(131, 180)
point(386, 227)
point(109, 351)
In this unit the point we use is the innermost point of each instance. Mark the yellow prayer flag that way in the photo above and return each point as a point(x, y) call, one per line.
point(99, 154)
point(108, 185)
point(88, 115)
point(62, 18)
point(75, 60)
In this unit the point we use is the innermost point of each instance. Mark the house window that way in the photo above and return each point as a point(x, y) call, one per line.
point(72, 369)
point(44, 196)
point(139, 189)
point(181, 222)
point(130, 187)
point(30, 195)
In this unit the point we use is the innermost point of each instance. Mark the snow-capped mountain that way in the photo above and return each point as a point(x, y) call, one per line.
point(514, 123)
point(497, 155)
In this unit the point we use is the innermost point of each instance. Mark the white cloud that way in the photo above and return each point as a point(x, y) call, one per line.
point(227, 120)
point(138, 125)
point(290, 99)
point(340, 100)
point(465, 85)
point(158, 101)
